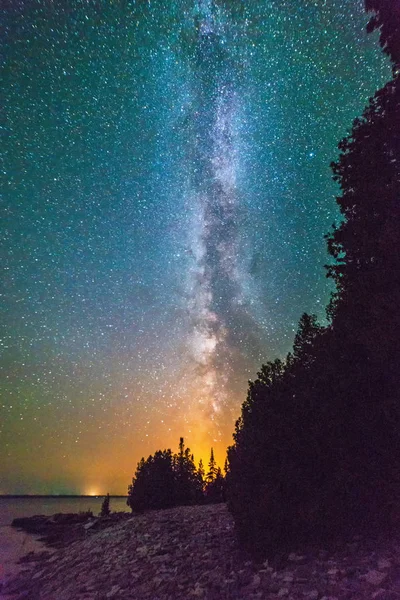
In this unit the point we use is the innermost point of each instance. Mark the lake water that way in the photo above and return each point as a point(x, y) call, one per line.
point(14, 543)
point(12, 508)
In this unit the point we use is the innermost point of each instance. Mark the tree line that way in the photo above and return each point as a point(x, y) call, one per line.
point(316, 450)
point(165, 480)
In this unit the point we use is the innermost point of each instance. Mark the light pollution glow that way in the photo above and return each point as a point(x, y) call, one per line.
point(168, 191)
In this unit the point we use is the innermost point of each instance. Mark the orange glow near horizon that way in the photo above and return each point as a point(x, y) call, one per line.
point(102, 458)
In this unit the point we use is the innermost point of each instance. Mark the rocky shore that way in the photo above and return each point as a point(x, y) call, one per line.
point(191, 552)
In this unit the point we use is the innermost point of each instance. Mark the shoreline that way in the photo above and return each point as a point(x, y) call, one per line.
point(192, 552)
point(16, 545)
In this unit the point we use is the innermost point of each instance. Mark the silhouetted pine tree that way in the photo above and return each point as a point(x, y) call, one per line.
point(317, 447)
point(201, 480)
point(153, 485)
point(386, 19)
point(365, 310)
point(271, 475)
point(105, 507)
point(188, 486)
point(215, 488)
point(165, 480)
point(200, 470)
point(212, 468)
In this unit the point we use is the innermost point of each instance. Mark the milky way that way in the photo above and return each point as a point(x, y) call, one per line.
point(167, 190)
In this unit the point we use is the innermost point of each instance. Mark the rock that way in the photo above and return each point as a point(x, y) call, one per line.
point(160, 558)
point(244, 577)
point(351, 571)
point(53, 558)
point(38, 574)
point(303, 572)
point(142, 550)
point(297, 558)
point(274, 587)
point(157, 581)
point(374, 577)
point(379, 594)
point(313, 595)
point(191, 553)
point(198, 591)
point(383, 594)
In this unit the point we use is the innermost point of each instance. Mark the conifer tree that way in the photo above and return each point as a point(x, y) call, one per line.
point(153, 485)
point(319, 432)
point(215, 489)
point(166, 480)
point(386, 19)
point(212, 468)
point(305, 338)
point(187, 485)
point(200, 470)
point(105, 507)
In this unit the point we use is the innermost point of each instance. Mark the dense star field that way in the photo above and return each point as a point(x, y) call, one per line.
point(166, 193)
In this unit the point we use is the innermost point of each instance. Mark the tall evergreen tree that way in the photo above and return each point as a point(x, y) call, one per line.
point(215, 489)
point(319, 434)
point(166, 480)
point(200, 470)
point(367, 270)
point(212, 468)
point(153, 485)
point(105, 507)
point(187, 483)
point(305, 338)
point(386, 19)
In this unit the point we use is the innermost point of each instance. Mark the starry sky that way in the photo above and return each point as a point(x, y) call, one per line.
point(166, 190)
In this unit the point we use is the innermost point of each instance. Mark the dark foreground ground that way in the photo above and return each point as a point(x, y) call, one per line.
point(191, 552)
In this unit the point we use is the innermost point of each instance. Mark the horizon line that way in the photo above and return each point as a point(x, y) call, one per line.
point(61, 495)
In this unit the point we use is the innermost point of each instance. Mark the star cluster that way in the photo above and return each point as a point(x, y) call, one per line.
point(166, 193)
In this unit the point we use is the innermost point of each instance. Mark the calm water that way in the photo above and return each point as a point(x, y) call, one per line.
point(15, 543)
point(11, 508)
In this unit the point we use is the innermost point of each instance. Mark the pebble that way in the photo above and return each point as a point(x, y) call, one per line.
point(375, 577)
point(384, 563)
point(114, 590)
point(313, 595)
point(192, 552)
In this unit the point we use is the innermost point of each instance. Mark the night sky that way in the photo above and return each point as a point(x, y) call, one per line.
point(166, 192)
